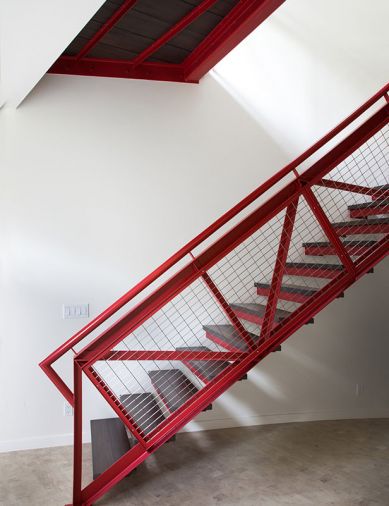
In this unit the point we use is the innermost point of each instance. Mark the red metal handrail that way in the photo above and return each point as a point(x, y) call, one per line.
point(69, 345)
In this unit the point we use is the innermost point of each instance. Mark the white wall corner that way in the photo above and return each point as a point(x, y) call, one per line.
point(33, 35)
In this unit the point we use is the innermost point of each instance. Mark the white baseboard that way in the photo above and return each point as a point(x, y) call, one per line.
point(267, 419)
point(211, 424)
point(34, 443)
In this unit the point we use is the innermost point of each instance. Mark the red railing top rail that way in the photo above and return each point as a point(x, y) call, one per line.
point(191, 245)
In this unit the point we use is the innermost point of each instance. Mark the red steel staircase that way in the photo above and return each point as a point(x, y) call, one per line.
point(180, 338)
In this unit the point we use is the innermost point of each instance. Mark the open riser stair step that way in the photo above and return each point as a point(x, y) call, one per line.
point(353, 248)
point(291, 293)
point(173, 387)
point(229, 337)
point(362, 227)
point(311, 270)
point(381, 192)
point(205, 370)
point(369, 209)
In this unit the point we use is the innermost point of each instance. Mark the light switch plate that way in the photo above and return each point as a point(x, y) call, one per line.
point(75, 311)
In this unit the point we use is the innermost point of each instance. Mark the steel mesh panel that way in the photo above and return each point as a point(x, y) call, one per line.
point(178, 325)
point(360, 219)
point(196, 321)
point(252, 263)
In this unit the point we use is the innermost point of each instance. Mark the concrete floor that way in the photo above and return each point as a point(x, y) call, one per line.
point(343, 463)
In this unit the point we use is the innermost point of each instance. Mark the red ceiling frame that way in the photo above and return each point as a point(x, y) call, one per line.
point(234, 27)
point(174, 30)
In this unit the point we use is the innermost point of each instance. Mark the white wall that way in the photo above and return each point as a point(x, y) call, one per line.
point(308, 66)
point(32, 36)
point(102, 179)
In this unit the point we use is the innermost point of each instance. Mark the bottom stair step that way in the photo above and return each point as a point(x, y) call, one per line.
point(109, 443)
point(173, 387)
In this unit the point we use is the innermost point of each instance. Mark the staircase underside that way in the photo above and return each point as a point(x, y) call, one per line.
point(173, 40)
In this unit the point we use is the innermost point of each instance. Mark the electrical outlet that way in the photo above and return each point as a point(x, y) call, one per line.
point(67, 409)
point(358, 389)
point(75, 311)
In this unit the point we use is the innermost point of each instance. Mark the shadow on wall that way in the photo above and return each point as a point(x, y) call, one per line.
point(319, 372)
point(298, 75)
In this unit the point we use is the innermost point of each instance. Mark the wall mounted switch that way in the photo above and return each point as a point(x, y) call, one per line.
point(75, 311)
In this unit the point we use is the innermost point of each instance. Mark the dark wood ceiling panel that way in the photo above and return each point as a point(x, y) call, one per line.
point(109, 52)
point(191, 36)
point(91, 28)
point(136, 35)
point(170, 53)
point(167, 11)
point(177, 40)
point(220, 8)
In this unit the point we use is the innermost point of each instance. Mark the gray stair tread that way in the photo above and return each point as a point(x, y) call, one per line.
point(230, 335)
point(312, 266)
point(304, 290)
point(173, 387)
point(109, 443)
point(345, 243)
point(259, 309)
point(357, 223)
point(207, 369)
point(368, 205)
point(144, 410)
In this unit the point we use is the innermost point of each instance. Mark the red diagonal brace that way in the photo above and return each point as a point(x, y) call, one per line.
point(348, 187)
point(279, 268)
point(229, 311)
point(329, 230)
point(173, 31)
point(125, 7)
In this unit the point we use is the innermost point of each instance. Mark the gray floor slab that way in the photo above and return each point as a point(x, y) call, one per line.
point(342, 463)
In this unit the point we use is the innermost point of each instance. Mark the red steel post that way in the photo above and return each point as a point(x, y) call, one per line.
point(77, 449)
